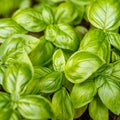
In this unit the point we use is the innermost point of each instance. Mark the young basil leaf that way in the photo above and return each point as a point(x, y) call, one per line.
point(62, 105)
point(68, 13)
point(51, 82)
point(16, 77)
point(104, 14)
point(85, 93)
point(114, 39)
point(30, 19)
point(80, 111)
point(33, 86)
point(42, 54)
point(4, 99)
point(81, 65)
point(110, 95)
point(59, 60)
point(97, 110)
point(95, 42)
point(62, 36)
point(35, 107)
point(47, 14)
point(9, 27)
point(115, 55)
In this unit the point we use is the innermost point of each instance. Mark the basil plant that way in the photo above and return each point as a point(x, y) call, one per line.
point(59, 59)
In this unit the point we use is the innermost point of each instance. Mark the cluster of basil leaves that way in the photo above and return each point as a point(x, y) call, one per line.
point(68, 69)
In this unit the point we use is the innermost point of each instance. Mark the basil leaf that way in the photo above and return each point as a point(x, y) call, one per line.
point(35, 107)
point(114, 39)
point(85, 93)
point(95, 41)
point(97, 110)
point(62, 36)
point(9, 27)
point(33, 85)
point(51, 82)
point(42, 54)
point(110, 95)
point(115, 55)
point(68, 13)
point(104, 14)
point(81, 65)
point(62, 105)
point(16, 77)
point(79, 112)
point(59, 60)
point(30, 20)
point(81, 2)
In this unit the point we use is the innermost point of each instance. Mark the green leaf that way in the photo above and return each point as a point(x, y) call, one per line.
point(114, 39)
point(115, 55)
point(33, 86)
point(62, 36)
point(97, 110)
point(47, 14)
point(35, 107)
point(110, 95)
point(81, 2)
point(83, 93)
point(79, 112)
point(81, 65)
point(68, 13)
point(59, 60)
point(9, 27)
point(16, 77)
point(95, 41)
point(104, 14)
point(30, 20)
point(62, 105)
point(42, 54)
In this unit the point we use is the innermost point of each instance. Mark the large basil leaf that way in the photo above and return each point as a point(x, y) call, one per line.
point(42, 54)
point(30, 19)
point(59, 60)
point(16, 77)
point(95, 41)
point(83, 93)
point(33, 86)
point(110, 95)
point(62, 105)
point(104, 14)
point(62, 36)
point(9, 27)
point(68, 13)
point(35, 107)
point(114, 39)
point(81, 65)
point(97, 110)
point(81, 2)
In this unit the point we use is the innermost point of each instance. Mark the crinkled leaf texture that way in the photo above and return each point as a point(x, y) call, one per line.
point(104, 14)
point(81, 65)
point(62, 36)
point(83, 93)
point(35, 107)
point(62, 105)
